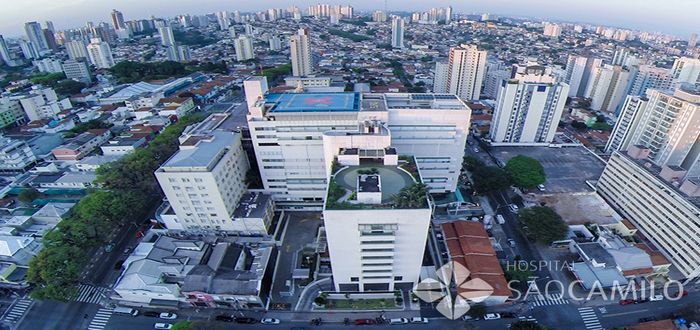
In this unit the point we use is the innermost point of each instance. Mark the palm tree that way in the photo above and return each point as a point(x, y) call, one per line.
point(413, 196)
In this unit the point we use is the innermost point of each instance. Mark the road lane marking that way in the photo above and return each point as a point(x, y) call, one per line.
point(633, 312)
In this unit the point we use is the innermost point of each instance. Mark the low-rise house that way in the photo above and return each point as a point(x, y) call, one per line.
point(81, 145)
point(123, 145)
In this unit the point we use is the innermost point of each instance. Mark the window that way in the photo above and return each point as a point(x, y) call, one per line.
point(192, 195)
point(185, 180)
point(176, 187)
point(354, 279)
point(377, 242)
point(398, 278)
point(377, 250)
point(171, 180)
point(204, 195)
point(376, 257)
point(189, 189)
point(201, 187)
point(377, 271)
point(197, 180)
point(381, 264)
point(375, 277)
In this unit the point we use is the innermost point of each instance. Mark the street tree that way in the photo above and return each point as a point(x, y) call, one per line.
point(528, 325)
point(471, 163)
point(515, 273)
point(526, 172)
point(490, 179)
point(55, 272)
point(477, 311)
point(28, 195)
point(543, 224)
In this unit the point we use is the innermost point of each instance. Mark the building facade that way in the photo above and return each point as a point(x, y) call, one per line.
point(529, 107)
point(466, 71)
point(244, 48)
point(100, 54)
point(300, 54)
point(397, 31)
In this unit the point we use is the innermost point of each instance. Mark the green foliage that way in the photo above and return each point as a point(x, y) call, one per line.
point(601, 126)
point(252, 178)
point(578, 125)
point(348, 35)
point(516, 273)
point(472, 164)
point(543, 224)
point(354, 22)
point(214, 67)
point(413, 196)
point(373, 170)
point(600, 119)
point(319, 301)
point(278, 72)
point(129, 71)
point(48, 80)
point(585, 104)
point(526, 172)
point(182, 325)
point(335, 191)
point(490, 179)
point(206, 325)
point(528, 325)
point(192, 38)
point(69, 87)
point(55, 272)
point(427, 58)
point(28, 195)
point(335, 166)
point(145, 32)
point(477, 310)
point(90, 124)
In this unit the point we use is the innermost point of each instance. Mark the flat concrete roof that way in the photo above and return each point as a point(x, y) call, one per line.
point(392, 178)
point(313, 102)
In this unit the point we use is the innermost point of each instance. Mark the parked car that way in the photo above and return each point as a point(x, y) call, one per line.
point(511, 242)
point(513, 208)
point(398, 321)
point(469, 318)
point(168, 316)
point(419, 320)
point(540, 187)
point(270, 321)
point(657, 297)
point(492, 316)
point(245, 320)
point(119, 264)
point(128, 250)
point(682, 294)
point(647, 319)
point(109, 247)
point(162, 326)
point(363, 322)
point(223, 318)
point(509, 315)
point(151, 314)
point(626, 302)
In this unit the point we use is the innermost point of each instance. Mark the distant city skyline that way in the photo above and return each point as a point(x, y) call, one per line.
point(675, 17)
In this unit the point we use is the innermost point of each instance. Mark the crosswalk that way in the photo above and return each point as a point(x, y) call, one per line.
point(548, 299)
point(90, 294)
point(17, 310)
point(101, 318)
point(590, 320)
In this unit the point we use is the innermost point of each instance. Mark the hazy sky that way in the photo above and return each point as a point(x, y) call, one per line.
point(678, 17)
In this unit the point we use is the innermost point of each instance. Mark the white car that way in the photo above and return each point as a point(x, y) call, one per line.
point(398, 321)
point(270, 321)
point(657, 297)
point(511, 242)
point(165, 326)
point(540, 187)
point(513, 208)
point(168, 316)
point(492, 316)
point(419, 320)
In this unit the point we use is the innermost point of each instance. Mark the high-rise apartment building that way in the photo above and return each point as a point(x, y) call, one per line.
point(646, 76)
point(36, 36)
point(662, 201)
point(222, 18)
point(442, 72)
point(448, 15)
point(50, 39)
point(100, 54)
point(607, 86)
point(28, 49)
point(627, 122)
point(693, 40)
point(77, 49)
point(77, 70)
point(203, 181)
point(466, 71)
point(529, 106)
point(667, 127)
point(166, 36)
point(578, 71)
point(5, 53)
point(379, 16)
point(244, 48)
point(300, 54)
point(117, 20)
point(552, 30)
point(493, 81)
point(686, 70)
point(294, 153)
point(397, 31)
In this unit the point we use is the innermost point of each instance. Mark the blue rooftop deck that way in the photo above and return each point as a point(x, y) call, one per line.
point(313, 102)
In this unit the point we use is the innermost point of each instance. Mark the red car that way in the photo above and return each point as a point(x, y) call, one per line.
point(626, 302)
point(682, 294)
point(363, 322)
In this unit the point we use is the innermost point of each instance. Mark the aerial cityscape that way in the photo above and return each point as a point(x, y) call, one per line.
point(349, 165)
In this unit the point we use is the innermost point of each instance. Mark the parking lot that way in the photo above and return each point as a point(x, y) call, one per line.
point(567, 168)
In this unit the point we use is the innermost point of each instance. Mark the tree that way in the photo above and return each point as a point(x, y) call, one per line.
point(543, 224)
point(585, 104)
point(578, 125)
point(55, 272)
point(477, 311)
point(601, 126)
point(413, 196)
point(28, 195)
point(600, 119)
point(182, 325)
point(69, 87)
point(517, 274)
point(471, 163)
point(526, 172)
point(528, 325)
point(490, 179)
